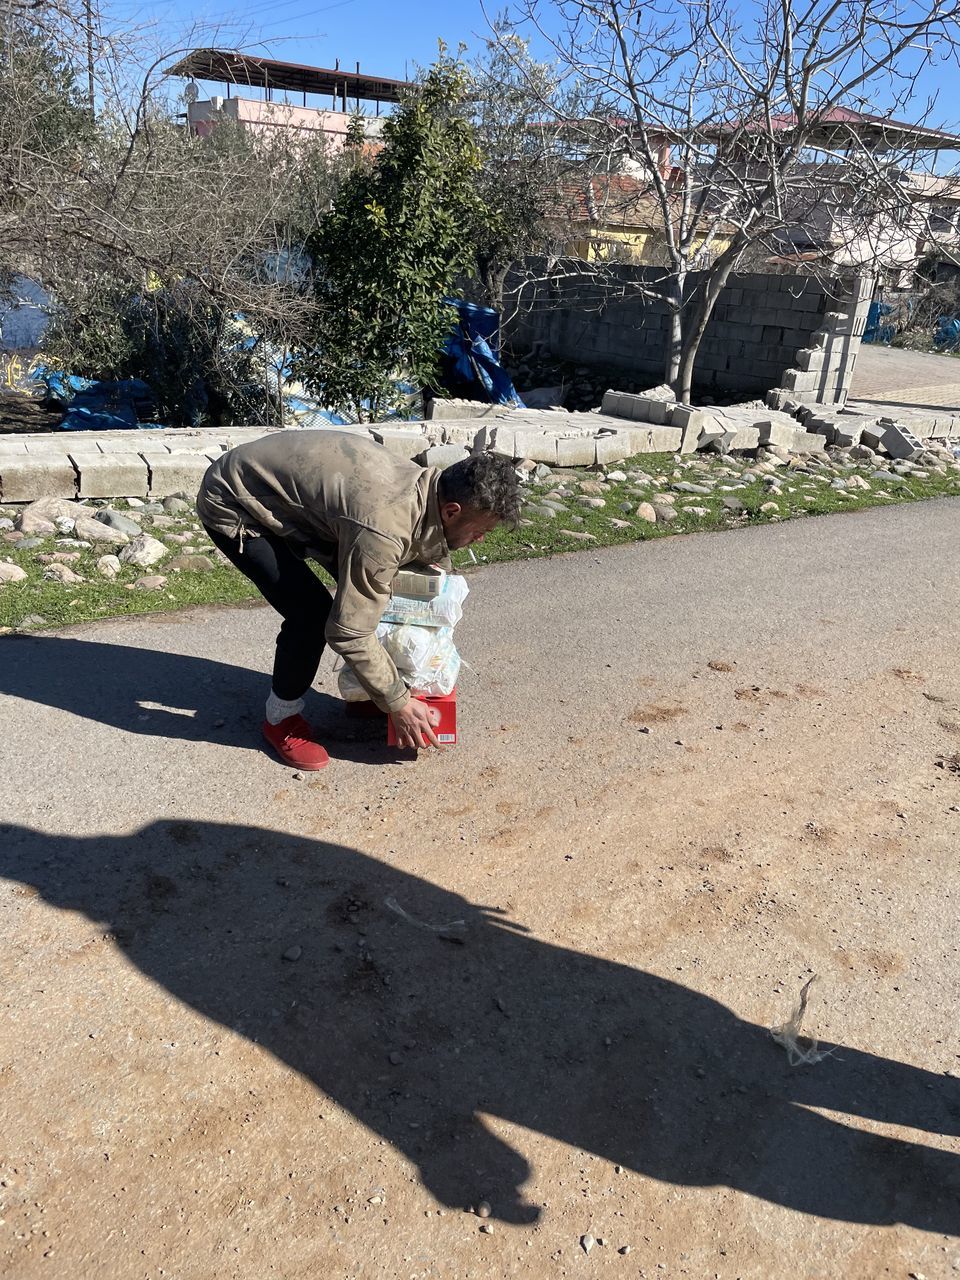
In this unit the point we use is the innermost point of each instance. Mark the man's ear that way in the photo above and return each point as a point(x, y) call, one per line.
point(450, 510)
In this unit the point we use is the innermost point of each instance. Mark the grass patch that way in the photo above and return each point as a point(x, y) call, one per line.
point(650, 475)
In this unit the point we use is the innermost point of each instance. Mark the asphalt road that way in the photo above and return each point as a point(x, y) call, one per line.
point(692, 772)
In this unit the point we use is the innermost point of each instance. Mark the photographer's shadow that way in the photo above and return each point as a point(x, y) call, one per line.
point(421, 1037)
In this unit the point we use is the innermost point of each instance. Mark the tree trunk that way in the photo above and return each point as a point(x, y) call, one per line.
point(675, 341)
point(712, 288)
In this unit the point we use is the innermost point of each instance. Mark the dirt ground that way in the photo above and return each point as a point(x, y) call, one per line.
point(684, 786)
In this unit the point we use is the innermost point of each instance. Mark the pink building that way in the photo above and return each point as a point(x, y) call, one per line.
point(282, 89)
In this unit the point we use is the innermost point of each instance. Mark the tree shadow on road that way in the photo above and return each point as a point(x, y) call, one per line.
point(420, 1038)
point(169, 695)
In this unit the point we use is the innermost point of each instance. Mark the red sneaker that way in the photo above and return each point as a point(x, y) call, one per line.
point(293, 742)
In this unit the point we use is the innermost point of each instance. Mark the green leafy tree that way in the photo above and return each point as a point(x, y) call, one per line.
point(397, 237)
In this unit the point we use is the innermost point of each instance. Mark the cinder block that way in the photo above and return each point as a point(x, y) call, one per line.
point(175, 472)
point(808, 442)
point(112, 475)
point(453, 433)
point(611, 404)
point(746, 438)
point(777, 433)
point(609, 448)
point(443, 455)
point(809, 359)
point(538, 446)
point(684, 415)
point(576, 451)
point(30, 476)
point(404, 444)
point(462, 409)
point(502, 440)
point(900, 442)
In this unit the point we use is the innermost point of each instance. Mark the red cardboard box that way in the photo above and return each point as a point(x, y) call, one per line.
point(446, 730)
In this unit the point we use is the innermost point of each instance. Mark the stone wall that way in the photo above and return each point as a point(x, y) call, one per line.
point(758, 327)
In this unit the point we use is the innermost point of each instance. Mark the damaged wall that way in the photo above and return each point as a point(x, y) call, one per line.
point(758, 327)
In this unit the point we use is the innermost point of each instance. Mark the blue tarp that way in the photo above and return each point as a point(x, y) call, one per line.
point(93, 405)
point(947, 337)
point(875, 331)
point(471, 365)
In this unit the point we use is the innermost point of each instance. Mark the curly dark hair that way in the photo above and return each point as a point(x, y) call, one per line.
point(484, 482)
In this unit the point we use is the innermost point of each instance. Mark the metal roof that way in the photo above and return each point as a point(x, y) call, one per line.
point(230, 67)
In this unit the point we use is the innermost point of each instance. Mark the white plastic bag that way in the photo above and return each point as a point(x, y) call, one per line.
point(425, 657)
point(444, 610)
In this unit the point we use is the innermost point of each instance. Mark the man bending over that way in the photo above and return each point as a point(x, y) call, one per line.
point(362, 513)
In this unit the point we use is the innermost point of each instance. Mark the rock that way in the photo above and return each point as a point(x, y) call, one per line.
point(143, 551)
point(175, 506)
point(192, 564)
point(160, 521)
point(395, 1058)
point(483, 1209)
point(6, 526)
point(616, 477)
point(624, 1250)
point(620, 524)
point(734, 505)
point(62, 573)
point(647, 511)
point(838, 484)
point(665, 513)
point(684, 486)
point(80, 543)
point(699, 512)
point(11, 572)
point(32, 620)
point(27, 544)
point(152, 582)
point(65, 525)
point(119, 522)
point(40, 516)
point(59, 557)
point(887, 476)
point(487, 1228)
point(587, 1242)
point(13, 536)
point(582, 536)
point(769, 507)
point(293, 953)
point(593, 488)
point(594, 503)
point(858, 482)
point(92, 530)
point(108, 567)
point(136, 503)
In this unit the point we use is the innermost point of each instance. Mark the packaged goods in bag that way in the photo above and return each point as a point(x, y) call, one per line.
point(442, 610)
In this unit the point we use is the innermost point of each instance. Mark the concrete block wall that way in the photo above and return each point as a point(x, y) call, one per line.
point(759, 325)
point(823, 368)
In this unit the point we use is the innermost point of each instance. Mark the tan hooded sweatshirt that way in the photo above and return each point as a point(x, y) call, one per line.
point(343, 500)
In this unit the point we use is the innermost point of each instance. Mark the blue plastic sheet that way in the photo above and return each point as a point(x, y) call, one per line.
point(947, 337)
point(875, 330)
point(471, 363)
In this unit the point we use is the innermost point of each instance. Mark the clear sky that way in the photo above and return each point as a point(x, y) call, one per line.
point(387, 37)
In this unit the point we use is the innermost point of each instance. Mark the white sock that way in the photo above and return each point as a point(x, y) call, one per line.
point(278, 710)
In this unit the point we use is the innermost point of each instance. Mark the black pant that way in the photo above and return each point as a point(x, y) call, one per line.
point(297, 594)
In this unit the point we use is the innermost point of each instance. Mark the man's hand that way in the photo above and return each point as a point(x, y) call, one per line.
point(414, 725)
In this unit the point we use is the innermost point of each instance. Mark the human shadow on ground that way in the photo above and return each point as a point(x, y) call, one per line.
point(420, 1038)
point(170, 695)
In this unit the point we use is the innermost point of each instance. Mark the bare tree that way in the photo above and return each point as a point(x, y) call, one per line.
point(125, 202)
point(749, 129)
